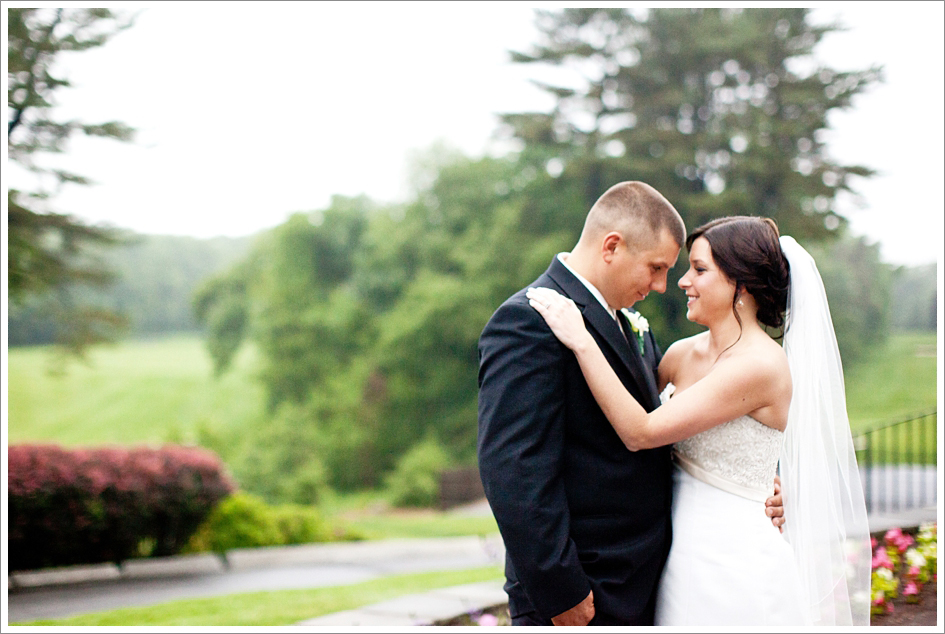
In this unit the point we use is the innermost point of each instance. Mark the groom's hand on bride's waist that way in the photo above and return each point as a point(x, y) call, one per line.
point(581, 614)
point(774, 507)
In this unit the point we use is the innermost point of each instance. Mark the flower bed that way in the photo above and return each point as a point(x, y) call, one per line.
point(903, 564)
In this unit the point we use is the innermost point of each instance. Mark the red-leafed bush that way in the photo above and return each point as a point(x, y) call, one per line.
point(72, 506)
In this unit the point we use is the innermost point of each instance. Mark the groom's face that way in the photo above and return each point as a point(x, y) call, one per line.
point(633, 274)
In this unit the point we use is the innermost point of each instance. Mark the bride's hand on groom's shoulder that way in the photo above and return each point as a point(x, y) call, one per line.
point(774, 506)
point(562, 315)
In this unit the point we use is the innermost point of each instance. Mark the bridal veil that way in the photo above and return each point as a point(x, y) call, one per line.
point(822, 492)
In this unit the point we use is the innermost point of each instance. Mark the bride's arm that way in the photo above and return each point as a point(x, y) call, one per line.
point(732, 389)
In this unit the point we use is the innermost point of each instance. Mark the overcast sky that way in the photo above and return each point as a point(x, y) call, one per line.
point(250, 111)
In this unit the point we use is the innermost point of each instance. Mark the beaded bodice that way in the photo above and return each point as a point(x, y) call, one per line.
point(740, 456)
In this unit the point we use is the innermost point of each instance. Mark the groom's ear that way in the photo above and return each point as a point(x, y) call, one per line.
point(610, 244)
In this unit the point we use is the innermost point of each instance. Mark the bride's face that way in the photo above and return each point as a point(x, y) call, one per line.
point(709, 293)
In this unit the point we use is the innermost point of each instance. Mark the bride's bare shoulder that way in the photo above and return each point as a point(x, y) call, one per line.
point(687, 345)
point(680, 352)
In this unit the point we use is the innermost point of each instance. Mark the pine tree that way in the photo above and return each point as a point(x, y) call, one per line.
point(722, 110)
point(49, 252)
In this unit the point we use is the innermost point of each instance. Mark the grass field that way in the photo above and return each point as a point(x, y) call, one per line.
point(137, 392)
point(893, 383)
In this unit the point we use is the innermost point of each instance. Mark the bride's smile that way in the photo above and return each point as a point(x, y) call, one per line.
point(709, 293)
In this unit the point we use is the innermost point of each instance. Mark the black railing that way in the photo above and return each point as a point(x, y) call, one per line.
point(898, 463)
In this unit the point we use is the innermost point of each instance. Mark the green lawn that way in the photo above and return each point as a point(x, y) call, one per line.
point(894, 382)
point(136, 392)
point(276, 608)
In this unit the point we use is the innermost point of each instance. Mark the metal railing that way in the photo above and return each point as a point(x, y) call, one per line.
point(897, 463)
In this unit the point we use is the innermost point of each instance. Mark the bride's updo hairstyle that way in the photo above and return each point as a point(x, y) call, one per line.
point(748, 251)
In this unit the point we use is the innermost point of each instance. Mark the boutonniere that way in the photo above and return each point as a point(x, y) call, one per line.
point(638, 324)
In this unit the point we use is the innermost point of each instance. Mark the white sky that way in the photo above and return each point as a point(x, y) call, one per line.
point(247, 112)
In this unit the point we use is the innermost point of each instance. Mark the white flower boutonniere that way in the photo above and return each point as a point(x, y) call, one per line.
point(639, 324)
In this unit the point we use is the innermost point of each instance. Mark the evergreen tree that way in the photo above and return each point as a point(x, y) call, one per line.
point(49, 253)
point(722, 110)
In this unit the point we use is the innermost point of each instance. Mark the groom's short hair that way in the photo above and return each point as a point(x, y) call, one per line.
point(638, 212)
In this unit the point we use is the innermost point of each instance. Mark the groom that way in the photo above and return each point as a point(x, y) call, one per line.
point(585, 522)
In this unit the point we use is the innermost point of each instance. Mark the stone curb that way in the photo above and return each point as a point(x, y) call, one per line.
point(419, 609)
point(132, 569)
point(66, 575)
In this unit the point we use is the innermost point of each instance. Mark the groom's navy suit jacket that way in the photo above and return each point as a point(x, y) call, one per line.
point(577, 511)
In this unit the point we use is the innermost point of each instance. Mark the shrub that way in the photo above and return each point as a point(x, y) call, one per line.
point(108, 504)
point(242, 520)
point(281, 462)
point(416, 479)
point(300, 524)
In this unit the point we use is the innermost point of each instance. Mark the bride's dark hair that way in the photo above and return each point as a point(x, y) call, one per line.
point(748, 251)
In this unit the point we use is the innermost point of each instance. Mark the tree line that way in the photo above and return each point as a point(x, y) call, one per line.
point(153, 280)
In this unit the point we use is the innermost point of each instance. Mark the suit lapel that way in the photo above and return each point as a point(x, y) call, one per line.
point(652, 390)
point(600, 321)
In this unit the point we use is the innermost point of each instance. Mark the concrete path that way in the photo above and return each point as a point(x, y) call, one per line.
point(420, 609)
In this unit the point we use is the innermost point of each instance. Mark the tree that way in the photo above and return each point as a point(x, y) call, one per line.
point(366, 319)
point(859, 287)
point(722, 110)
point(914, 298)
point(50, 253)
point(155, 277)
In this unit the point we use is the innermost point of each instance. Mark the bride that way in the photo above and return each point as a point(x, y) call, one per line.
point(739, 408)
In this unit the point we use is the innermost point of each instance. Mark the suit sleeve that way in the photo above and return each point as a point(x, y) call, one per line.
point(521, 447)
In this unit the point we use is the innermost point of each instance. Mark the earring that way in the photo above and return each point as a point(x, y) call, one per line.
point(741, 303)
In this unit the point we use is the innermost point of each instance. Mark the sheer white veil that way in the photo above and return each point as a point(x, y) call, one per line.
point(823, 496)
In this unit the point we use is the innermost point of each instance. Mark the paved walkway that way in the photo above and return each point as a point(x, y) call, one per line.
point(82, 589)
point(420, 609)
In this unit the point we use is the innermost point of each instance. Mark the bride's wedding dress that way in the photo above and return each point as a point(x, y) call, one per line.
point(728, 564)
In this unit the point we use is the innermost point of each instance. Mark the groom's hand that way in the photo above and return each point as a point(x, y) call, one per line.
point(581, 614)
point(774, 507)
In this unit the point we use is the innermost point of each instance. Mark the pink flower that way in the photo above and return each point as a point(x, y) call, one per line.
point(881, 559)
point(903, 542)
point(873, 542)
point(893, 534)
point(914, 571)
point(488, 620)
point(911, 588)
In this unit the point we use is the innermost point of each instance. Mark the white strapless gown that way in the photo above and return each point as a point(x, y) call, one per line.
point(728, 564)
